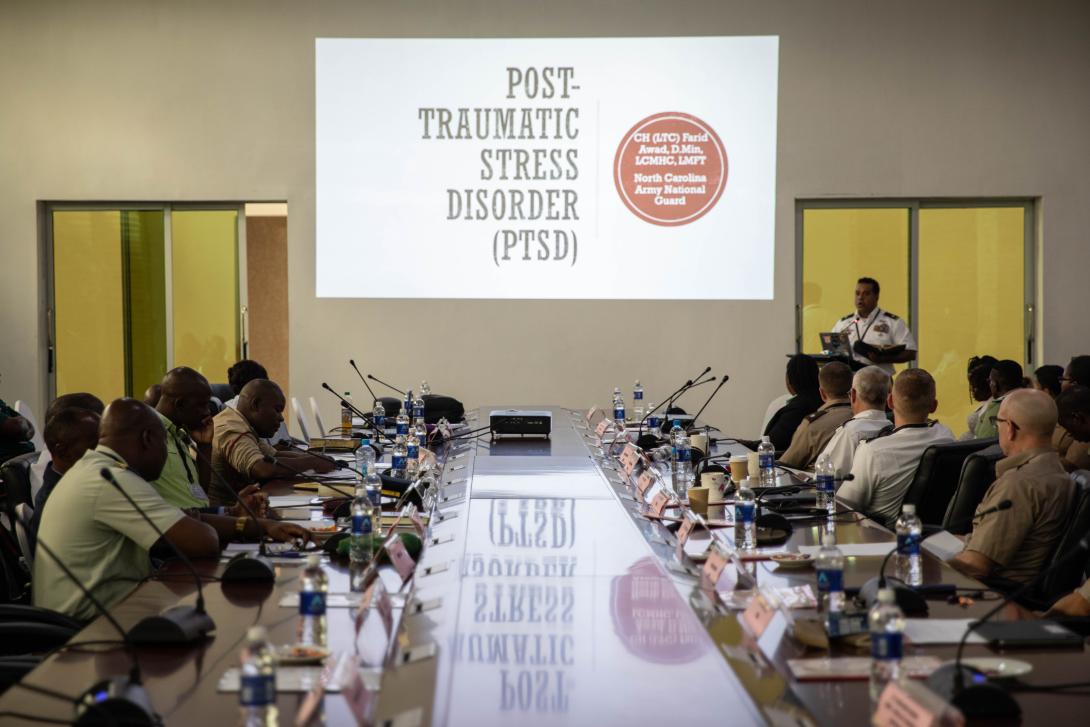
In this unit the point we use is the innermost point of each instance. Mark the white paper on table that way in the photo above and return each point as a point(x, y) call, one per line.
point(290, 500)
point(856, 550)
point(940, 631)
point(943, 545)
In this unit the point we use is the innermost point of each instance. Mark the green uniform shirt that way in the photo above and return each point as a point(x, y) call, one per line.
point(98, 534)
point(178, 484)
point(986, 428)
point(12, 449)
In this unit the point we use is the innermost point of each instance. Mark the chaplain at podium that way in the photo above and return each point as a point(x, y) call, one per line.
point(876, 336)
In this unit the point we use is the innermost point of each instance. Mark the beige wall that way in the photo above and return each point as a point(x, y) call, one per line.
point(214, 101)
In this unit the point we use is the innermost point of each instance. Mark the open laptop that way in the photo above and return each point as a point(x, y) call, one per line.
point(835, 344)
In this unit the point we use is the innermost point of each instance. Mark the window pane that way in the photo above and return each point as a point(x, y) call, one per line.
point(839, 247)
point(205, 290)
point(142, 234)
point(88, 303)
point(971, 297)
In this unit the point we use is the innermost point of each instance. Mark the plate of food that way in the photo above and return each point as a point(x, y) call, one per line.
point(791, 560)
point(321, 529)
point(298, 654)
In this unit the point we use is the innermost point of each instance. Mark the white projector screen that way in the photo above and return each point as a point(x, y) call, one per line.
point(590, 168)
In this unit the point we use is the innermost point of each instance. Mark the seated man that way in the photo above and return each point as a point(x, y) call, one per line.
point(184, 410)
point(15, 433)
point(1005, 377)
point(98, 534)
point(242, 373)
point(68, 435)
point(1074, 454)
point(239, 449)
point(815, 431)
point(78, 400)
point(1076, 603)
point(152, 395)
point(884, 466)
point(868, 396)
point(1014, 544)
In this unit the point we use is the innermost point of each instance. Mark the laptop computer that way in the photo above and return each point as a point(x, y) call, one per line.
point(835, 344)
point(1028, 634)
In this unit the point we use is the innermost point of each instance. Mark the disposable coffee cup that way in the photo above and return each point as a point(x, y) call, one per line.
point(754, 464)
point(700, 441)
point(739, 467)
point(714, 481)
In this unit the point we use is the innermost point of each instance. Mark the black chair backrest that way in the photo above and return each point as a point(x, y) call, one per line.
point(937, 477)
point(223, 392)
point(1069, 576)
point(977, 475)
point(16, 475)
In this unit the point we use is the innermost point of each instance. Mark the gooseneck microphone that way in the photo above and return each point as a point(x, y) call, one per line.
point(178, 625)
point(677, 394)
point(388, 386)
point(352, 363)
point(245, 566)
point(665, 402)
point(118, 700)
point(725, 379)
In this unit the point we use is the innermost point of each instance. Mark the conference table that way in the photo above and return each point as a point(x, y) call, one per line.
point(544, 595)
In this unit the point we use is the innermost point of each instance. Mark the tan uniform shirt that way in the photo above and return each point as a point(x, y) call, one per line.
point(1084, 589)
point(236, 448)
point(814, 433)
point(1021, 539)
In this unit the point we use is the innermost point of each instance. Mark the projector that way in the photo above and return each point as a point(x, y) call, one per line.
point(521, 422)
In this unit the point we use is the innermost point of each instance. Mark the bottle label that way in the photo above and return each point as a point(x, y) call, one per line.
point(767, 460)
point(375, 497)
point(399, 462)
point(886, 646)
point(684, 454)
point(618, 412)
point(413, 451)
point(418, 412)
point(256, 690)
point(637, 395)
point(830, 580)
point(380, 422)
point(908, 544)
point(826, 484)
point(654, 422)
point(361, 525)
point(403, 428)
point(311, 603)
point(746, 511)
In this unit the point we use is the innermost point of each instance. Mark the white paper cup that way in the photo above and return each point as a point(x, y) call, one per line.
point(714, 481)
point(754, 464)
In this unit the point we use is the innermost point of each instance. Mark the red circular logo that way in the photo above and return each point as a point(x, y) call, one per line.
point(670, 169)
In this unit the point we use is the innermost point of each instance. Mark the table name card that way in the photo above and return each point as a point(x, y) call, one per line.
point(714, 565)
point(644, 482)
point(602, 428)
point(658, 503)
point(911, 704)
point(399, 556)
point(758, 615)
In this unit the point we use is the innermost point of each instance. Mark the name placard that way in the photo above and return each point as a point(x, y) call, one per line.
point(644, 482)
point(658, 503)
point(399, 556)
point(602, 428)
point(758, 615)
point(911, 704)
point(714, 565)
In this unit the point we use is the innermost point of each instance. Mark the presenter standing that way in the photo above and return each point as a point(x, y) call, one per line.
point(877, 337)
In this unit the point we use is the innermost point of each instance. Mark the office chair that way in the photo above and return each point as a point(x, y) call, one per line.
point(300, 419)
point(16, 475)
point(937, 477)
point(977, 475)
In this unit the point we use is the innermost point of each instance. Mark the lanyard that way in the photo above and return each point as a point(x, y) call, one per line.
point(877, 312)
point(183, 454)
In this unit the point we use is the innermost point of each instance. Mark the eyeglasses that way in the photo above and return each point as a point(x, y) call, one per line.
point(1001, 420)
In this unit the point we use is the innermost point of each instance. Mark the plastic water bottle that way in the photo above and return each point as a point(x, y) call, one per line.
point(400, 457)
point(373, 484)
point(362, 525)
point(745, 516)
point(425, 390)
point(364, 456)
point(676, 433)
point(418, 410)
point(830, 575)
point(346, 415)
point(618, 410)
point(313, 590)
point(909, 534)
point(653, 421)
point(887, 628)
point(683, 468)
point(825, 474)
point(257, 678)
point(379, 415)
point(412, 453)
point(403, 422)
point(766, 456)
point(637, 401)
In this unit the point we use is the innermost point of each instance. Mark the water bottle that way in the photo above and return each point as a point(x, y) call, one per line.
point(766, 456)
point(887, 627)
point(676, 433)
point(637, 402)
point(372, 483)
point(418, 410)
point(379, 415)
point(400, 457)
point(412, 453)
point(825, 474)
point(618, 410)
point(909, 533)
point(313, 589)
point(257, 678)
point(745, 517)
point(346, 415)
point(653, 421)
point(403, 422)
point(425, 390)
point(830, 576)
point(683, 468)
point(362, 525)
point(364, 456)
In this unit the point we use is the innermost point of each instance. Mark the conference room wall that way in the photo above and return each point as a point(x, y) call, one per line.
point(214, 101)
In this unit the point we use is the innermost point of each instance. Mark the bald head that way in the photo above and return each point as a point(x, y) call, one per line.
point(130, 428)
point(262, 403)
point(913, 396)
point(1026, 420)
point(185, 398)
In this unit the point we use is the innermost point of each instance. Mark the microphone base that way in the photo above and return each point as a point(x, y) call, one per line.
point(908, 599)
point(178, 625)
point(249, 567)
point(978, 698)
point(116, 701)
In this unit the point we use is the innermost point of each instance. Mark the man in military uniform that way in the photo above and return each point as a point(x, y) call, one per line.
point(815, 431)
point(877, 337)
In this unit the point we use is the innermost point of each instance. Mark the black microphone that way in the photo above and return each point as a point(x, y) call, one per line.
point(677, 394)
point(125, 701)
point(667, 400)
point(352, 363)
point(243, 566)
point(178, 625)
point(982, 699)
point(724, 380)
point(394, 388)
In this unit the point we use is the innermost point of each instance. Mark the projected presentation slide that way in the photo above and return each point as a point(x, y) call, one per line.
point(590, 168)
